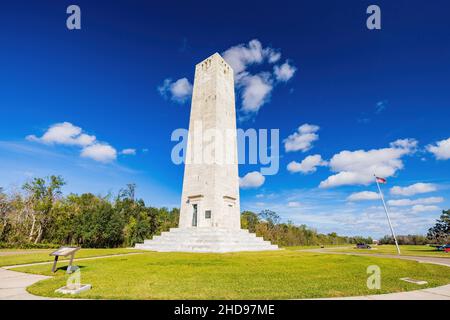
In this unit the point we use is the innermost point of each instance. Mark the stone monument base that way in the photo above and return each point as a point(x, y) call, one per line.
point(206, 240)
point(74, 289)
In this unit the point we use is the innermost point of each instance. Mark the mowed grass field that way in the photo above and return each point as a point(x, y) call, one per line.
point(9, 257)
point(407, 250)
point(284, 274)
point(329, 246)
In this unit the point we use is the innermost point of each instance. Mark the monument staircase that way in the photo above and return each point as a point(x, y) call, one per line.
point(197, 239)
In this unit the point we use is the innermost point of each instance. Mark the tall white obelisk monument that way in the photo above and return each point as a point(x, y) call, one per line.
point(210, 210)
point(210, 196)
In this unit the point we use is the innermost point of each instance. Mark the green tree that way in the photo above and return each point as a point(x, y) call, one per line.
point(137, 229)
point(42, 193)
point(5, 209)
point(271, 217)
point(98, 224)
point(440, 232)
point(249, 220)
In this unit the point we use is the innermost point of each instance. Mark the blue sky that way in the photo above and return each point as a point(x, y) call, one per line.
point(361, 92)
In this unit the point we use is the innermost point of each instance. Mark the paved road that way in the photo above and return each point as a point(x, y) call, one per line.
point(438, 293)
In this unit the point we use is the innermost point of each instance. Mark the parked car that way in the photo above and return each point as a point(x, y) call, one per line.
point(363, 246)
point(445, 247)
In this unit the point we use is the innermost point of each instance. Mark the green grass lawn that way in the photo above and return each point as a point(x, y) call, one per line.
point(407, 250)
point(283, 274)
point(9, 257)
point(328, 246)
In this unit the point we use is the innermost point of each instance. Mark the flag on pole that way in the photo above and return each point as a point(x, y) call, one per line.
point(378, 181)
point(381, 180)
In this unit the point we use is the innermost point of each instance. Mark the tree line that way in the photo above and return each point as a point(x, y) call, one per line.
point(268, 224)
point(410, 239)
point(40, 215)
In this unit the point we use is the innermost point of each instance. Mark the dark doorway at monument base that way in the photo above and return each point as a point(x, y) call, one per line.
point(194, 215)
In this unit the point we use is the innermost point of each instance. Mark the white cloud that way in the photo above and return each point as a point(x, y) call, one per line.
point(363, 195)
point(256, 88)
point(179, 91)
point(358, 167)
point(409, 202)
point(441, 149)
point(380, 106)
point(302, 139)
point(100, 152)
point(241, 56)
point(293, 204)
point(265, 195)
point(422, 208)
point(256, 91)
point(274, 56)
point(284, 72)
point(128, 151)
point(406, 144)
point(66, 133)
point(252, 180)
point(308, 165)
point(413, 189)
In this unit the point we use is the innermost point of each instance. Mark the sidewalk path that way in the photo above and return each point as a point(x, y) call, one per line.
point(438, 293)
point(13, 285)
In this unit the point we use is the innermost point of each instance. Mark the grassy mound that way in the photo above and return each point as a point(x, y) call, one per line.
point(259, 275)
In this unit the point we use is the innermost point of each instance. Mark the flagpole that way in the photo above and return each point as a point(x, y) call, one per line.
point(387, 215)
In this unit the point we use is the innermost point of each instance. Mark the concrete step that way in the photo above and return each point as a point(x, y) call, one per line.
point(206, 240)
point(200, 241)
point(234, 234)
point(186, 248)
point(206, 231)
point(207, 237)
point(207, 244)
